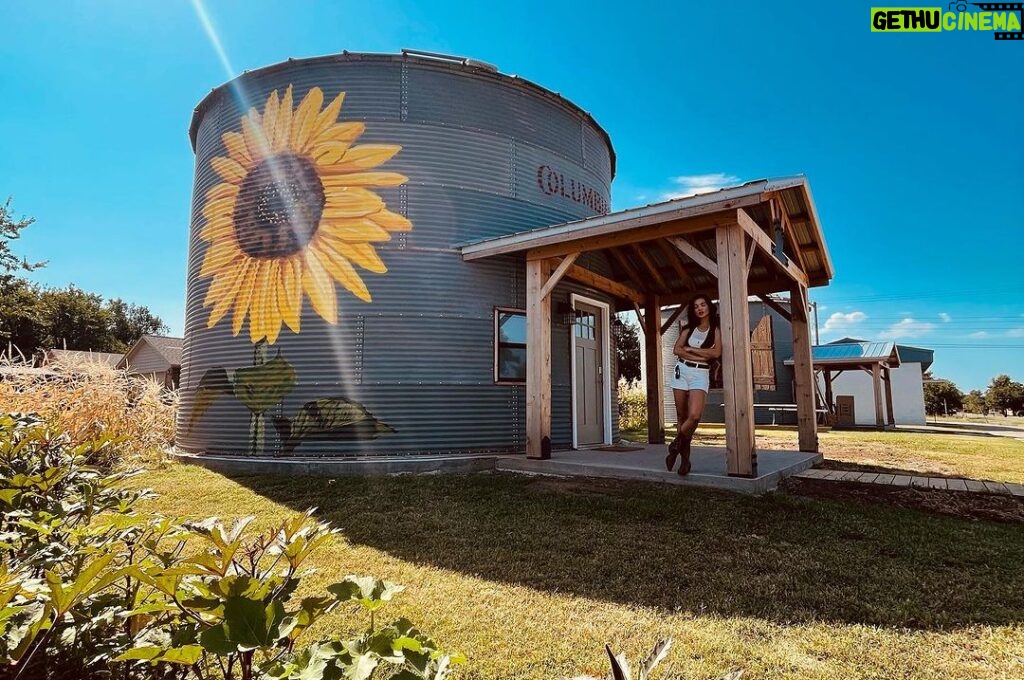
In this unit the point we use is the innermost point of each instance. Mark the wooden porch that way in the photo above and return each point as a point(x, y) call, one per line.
point(755, 239)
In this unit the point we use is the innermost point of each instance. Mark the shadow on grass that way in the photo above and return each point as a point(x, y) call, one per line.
point(776, 557)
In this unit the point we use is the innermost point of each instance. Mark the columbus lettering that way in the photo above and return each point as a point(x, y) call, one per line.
point(554, 183)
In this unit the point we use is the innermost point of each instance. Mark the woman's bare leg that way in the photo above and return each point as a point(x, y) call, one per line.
point(694, 411)
point(680, 397)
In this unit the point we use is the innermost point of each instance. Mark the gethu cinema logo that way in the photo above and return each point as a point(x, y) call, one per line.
point(1002, 18)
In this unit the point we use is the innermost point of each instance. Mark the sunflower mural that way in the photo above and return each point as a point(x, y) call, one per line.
point(293, 216)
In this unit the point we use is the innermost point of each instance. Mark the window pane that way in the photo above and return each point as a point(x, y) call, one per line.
point(512, 363)
point(512, 327)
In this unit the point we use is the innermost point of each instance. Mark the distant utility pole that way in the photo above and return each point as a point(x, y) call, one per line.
point(814, 305)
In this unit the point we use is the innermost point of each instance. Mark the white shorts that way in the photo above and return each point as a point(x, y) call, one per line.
point(687, 378)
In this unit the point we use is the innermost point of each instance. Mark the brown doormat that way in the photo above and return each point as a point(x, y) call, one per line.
point(619, 447)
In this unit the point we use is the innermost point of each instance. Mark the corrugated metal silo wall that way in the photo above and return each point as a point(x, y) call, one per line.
point(419, 357)
point(714, 411)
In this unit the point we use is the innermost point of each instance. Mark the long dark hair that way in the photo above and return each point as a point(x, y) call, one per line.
point(691, 314)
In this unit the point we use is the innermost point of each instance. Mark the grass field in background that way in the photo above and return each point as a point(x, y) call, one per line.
point(951, 455)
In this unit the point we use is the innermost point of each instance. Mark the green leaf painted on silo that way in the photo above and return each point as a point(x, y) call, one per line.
point(332, 419)
point(213, 384)
point(260, 387)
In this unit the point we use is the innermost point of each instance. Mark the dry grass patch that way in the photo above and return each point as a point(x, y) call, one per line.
point(530, 579)
point(88, 399)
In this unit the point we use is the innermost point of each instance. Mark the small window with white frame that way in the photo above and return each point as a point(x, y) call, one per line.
point(509, 345)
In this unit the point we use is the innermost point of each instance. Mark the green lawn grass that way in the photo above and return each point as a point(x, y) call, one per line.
point(951, 455)
point(530, 577)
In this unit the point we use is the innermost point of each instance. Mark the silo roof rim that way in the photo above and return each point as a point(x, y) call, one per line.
point(515, 80)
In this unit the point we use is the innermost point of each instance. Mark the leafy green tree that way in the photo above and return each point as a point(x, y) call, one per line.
point(10, 230)
point(72, 318)
point(19, 317)
point(130, 321)
point(974, 402)
point(1004, 394)
point(627, 348)
point(942, 396)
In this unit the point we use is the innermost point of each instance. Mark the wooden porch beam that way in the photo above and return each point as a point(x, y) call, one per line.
point(649, 265)
point(737, 370)
point(779, 309)
point(692, 252)
point(589, 278)
point(876, 382)
point(631, 272)
point(556, 276)
point(655, 372)
point(624, 235)
point(887, 377)
point(538, 361)
point(675, 315)
point(803, 378)
point(764, 242)
point(672, 255)
point(790, 231)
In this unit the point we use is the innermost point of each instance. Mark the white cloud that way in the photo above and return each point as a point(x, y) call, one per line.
point(946, 318)
point(978, 334)
point(839, 322)
point(1015, 333)
point(908, 328)
point(691, 185)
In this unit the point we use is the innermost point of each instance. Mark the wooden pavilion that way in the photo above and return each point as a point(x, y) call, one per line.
point(759, 238)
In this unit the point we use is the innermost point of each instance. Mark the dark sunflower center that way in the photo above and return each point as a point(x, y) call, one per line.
point(278, 207)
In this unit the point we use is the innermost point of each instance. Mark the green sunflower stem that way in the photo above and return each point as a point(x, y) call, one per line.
point(257, 427)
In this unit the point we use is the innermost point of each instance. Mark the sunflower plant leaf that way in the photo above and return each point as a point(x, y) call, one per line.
point(261, 387)
point(214, 384)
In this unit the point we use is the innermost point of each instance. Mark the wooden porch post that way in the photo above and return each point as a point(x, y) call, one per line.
point(876, 381)
point(538, 360)
point(655, 371)
point(830, 400)
point(803, 372)
point(887, 376)
point(737, 372)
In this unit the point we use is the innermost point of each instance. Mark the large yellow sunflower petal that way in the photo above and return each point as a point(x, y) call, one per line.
point(319, 286)
point(391, 221)
point(220, 256)
point(289, 294)
point(283, 129)
point(327, 153)
point(305, 117)
point(224, 290)
point(326, 118)
point(222, 190)
point(264, 320)
point(229, 170)
point(340, 132)
point(220, 228)
point(364, 255)
point(341, 270)
point(352, 202)
point(245, 293)
point(359, 229)
point(364, 179)
point(221, 207)
point(234, 142)
point(270, 119)
point(360, 158)
point(255, 139)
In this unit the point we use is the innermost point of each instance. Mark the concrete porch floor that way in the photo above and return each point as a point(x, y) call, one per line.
point(648, 464)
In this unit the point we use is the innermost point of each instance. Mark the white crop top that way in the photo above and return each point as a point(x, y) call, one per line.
point(698, 337)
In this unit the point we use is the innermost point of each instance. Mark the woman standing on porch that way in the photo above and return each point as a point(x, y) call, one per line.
point(700, 341)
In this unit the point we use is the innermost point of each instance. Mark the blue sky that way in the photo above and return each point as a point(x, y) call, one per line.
point(912, 143)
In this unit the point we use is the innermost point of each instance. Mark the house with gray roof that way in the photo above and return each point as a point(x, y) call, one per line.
point(157, 357)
